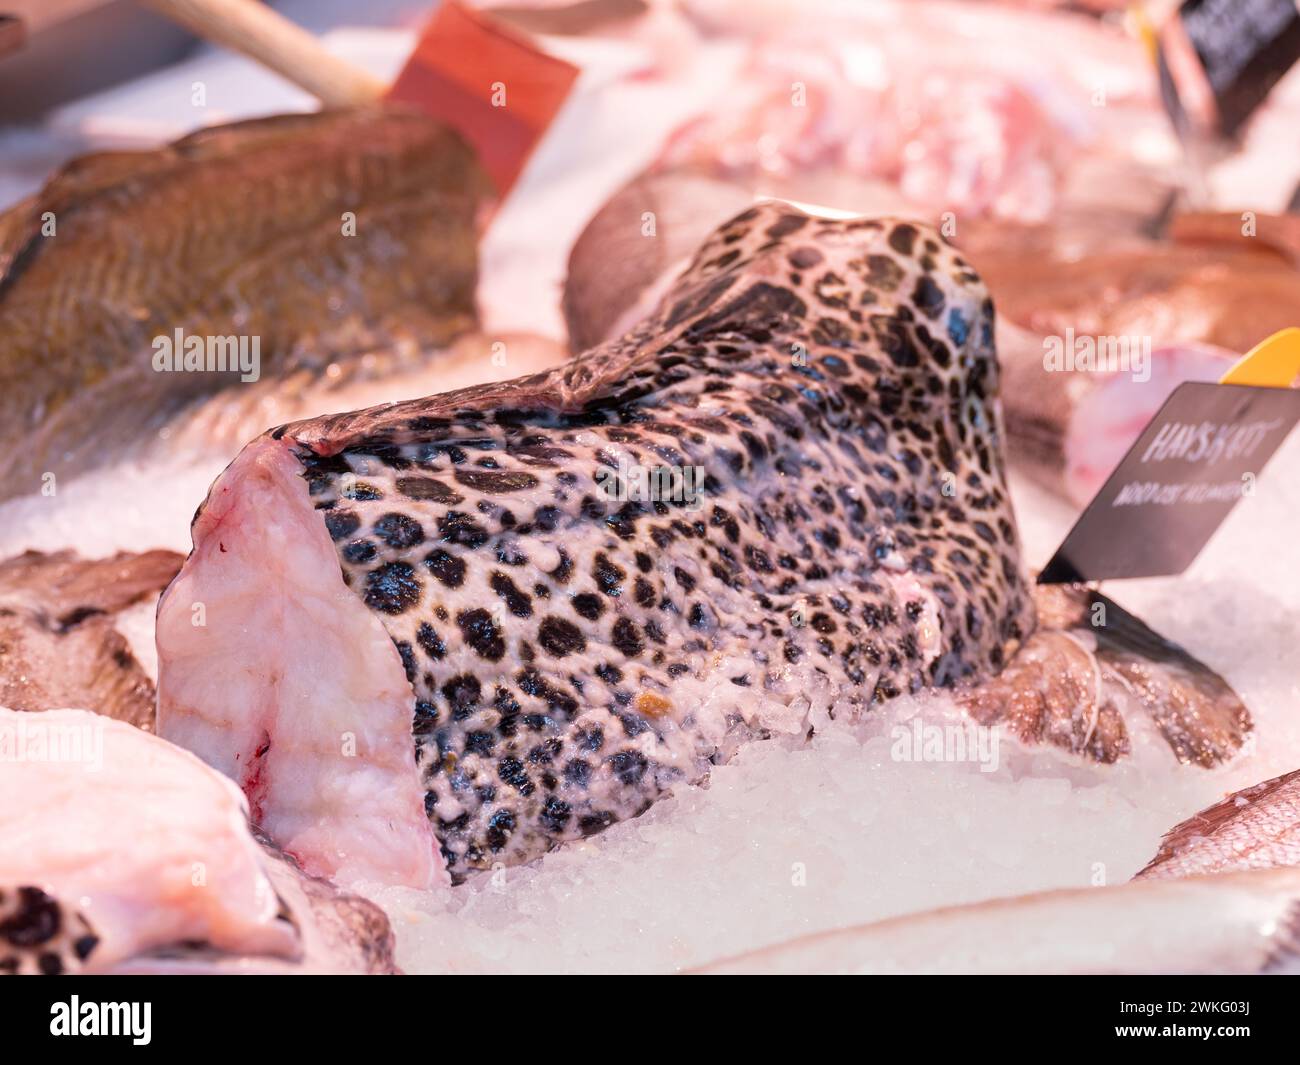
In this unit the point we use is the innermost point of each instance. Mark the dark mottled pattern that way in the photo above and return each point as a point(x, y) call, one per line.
point(39, 936)
point(574, 655)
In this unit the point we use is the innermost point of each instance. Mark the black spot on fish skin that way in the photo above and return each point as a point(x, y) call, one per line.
point(512, 772)
point(36, 919)
point(481, 634)
point(902, 238)
point(627, 638)
point(500, 827)
point(393, 588)
point(427, 488)
point(446, 567)
point(629, 767)
point(463, 693)
point(399, 531)
point(341, 524)
point(609, 577)
point(494, 483)
point(518, 602)
point(429, 639)
point(578, 772)
point(588, 606)
point(456, 527)
point(560, 637)
point(360, 551)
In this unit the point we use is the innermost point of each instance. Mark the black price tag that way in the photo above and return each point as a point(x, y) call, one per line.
point(1200, 454)
point(1244, 47)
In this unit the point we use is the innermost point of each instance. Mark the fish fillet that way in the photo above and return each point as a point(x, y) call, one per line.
point(120, 852)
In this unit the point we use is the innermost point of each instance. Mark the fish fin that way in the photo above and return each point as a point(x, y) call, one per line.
point(1089, 667)
point(41, 935)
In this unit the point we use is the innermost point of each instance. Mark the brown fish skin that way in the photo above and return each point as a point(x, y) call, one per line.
point(617, 270)
point(233, 231)
point(1255, 828)
point(58, 643)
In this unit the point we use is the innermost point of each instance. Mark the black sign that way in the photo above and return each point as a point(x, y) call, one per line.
point(1245, 47)
point(1192, 463)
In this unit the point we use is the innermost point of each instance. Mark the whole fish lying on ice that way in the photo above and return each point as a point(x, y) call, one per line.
point(1222, 895)
point(120, 853)
point(461, 630)
point(234, 236)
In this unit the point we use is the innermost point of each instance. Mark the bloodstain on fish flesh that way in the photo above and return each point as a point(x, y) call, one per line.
point(59, 644)
point(121, 853)
point(459, 617)
point(234, 231)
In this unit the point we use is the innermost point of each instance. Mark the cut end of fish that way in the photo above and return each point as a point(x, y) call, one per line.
point(1091, 665)
point(126, 845)
point(275, 673)
point(1069, 428)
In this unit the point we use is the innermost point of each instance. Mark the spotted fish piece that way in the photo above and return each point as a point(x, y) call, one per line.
point(492, 620)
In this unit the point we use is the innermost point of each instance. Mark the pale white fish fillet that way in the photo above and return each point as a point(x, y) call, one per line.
point(317, 725)
point(1243, 922)
point(154, 845)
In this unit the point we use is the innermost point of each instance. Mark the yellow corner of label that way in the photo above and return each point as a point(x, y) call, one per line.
point(1272, 363)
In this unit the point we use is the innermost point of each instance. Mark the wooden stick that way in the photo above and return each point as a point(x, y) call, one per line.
point(258, 32)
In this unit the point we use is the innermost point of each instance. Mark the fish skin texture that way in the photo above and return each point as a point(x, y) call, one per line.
point(133, 856)
point(58, 642)
point(1203, 295)
point(1254, 828)
point(233, 230)
point(573, 656)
